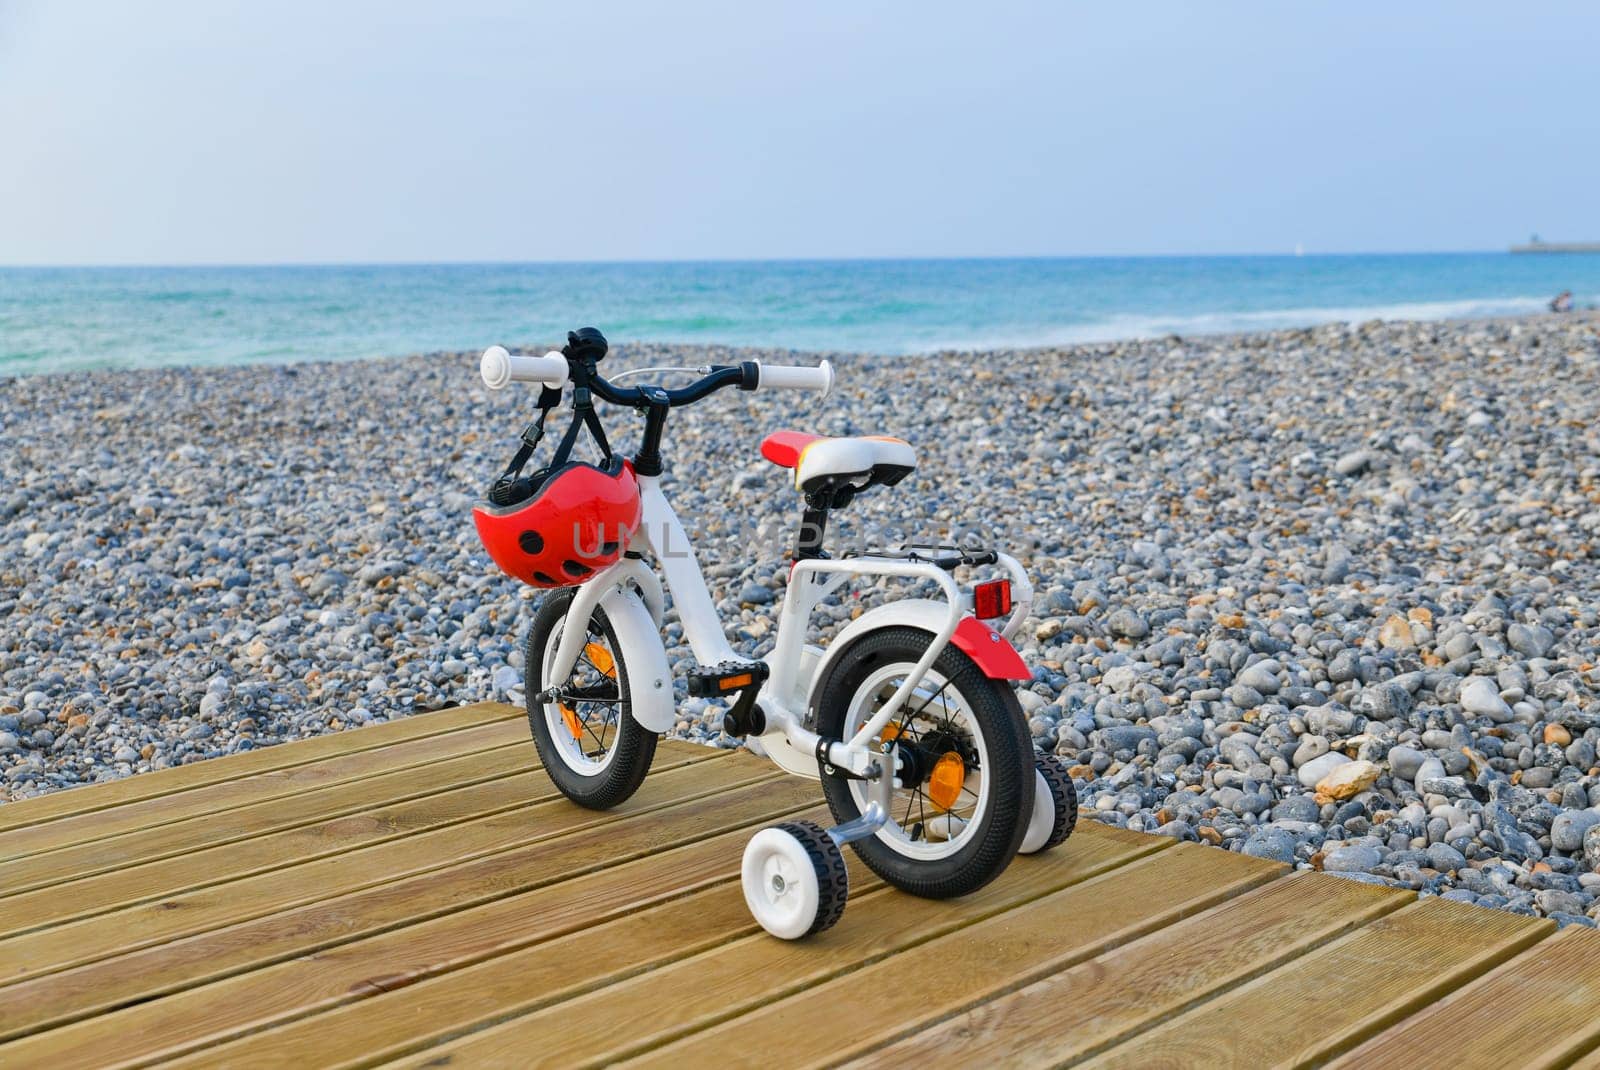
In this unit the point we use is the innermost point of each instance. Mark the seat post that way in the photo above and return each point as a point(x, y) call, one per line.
point(813, 526)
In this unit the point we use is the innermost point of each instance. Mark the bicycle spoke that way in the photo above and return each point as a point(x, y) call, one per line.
point(588, 694)
point(936, 694)
point(905, 724)
point(600, 742)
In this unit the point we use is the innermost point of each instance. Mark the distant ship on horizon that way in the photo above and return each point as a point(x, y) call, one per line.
point(1535, 245)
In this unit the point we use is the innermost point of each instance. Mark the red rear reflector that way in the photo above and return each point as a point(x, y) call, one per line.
point(992, 599)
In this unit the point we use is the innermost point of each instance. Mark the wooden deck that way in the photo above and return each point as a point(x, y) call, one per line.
point(417, 894)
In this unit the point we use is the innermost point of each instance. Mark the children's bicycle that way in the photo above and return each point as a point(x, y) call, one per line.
point(908, 717)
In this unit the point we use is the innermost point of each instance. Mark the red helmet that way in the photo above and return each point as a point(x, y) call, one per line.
point(560, 528)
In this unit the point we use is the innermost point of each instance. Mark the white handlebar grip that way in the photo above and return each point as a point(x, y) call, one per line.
point(785, 377)
point(500, 368)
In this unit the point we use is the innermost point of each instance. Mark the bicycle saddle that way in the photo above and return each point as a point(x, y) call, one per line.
point(819, 459)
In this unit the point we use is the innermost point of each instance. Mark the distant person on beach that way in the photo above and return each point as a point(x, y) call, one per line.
point(1561, 302)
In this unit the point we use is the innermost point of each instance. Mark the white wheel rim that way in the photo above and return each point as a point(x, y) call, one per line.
point(934, 695)
point(1043, 821)
point(572, 751)
point(780, 884)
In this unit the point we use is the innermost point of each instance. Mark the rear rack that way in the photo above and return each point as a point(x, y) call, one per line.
point(945, 555)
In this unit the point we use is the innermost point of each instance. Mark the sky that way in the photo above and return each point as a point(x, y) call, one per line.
point(288, 132)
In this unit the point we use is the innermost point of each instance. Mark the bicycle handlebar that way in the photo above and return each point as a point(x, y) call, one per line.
point(500, 368)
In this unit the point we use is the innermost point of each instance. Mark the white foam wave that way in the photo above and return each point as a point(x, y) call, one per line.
point(1123, 326)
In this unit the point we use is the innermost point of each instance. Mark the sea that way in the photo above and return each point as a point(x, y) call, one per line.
point(65, 319)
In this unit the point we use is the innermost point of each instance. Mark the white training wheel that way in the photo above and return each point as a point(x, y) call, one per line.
point(1055, 805)
point(794, 878)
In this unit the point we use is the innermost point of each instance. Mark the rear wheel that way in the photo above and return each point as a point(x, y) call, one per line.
point(591, 746)
point(965, 793)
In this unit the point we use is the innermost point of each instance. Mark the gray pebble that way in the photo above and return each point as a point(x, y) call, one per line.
point(1127, 624)
point(1358, 858)
point(1531, 640)
point(1480, 697)
point(1405, 761)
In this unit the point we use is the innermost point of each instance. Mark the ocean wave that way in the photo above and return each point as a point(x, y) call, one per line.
point(1121, 326)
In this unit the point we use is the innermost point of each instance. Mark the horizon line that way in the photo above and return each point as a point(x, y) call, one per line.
point(610, 262)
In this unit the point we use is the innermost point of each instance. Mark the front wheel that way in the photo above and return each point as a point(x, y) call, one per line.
point(591, 746)
point(965, 792)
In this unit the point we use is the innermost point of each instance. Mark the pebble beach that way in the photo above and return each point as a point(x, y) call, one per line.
point(1329, 596)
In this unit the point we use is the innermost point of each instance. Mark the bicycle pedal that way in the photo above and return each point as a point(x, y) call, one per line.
point(712, 681)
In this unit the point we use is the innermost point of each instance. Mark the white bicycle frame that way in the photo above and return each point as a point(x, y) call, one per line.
point(792, 665)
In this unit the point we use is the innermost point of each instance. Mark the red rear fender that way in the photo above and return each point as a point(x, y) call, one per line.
point(997, 658)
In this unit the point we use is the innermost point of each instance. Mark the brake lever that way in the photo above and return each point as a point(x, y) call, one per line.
point(704, 369)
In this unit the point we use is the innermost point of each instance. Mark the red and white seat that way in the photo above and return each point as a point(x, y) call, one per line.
point(818, 459)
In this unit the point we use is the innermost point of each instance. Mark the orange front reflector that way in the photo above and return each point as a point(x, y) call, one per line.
point(600, 658)
point(569, 717)
point(728, 683)
point(944, 783)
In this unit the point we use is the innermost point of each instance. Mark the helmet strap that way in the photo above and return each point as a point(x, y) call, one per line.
point(549, 398)
point(583, 415)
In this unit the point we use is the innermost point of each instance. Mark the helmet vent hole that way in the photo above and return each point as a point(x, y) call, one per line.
point(546, 580)
point(531, 542)
point(609, 548)
point(575, 570)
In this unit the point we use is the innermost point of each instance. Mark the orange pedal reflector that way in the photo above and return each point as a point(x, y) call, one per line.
point(728, 683)
point(600, 658)
point(891, 732)
point(944, 783)
point(569, 717)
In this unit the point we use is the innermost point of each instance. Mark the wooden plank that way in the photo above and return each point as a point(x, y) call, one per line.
point(482, 760)
point(172, 876)
point(1589, 1061)
point(1108, 998)
point(1027, 902)
point(440, 849)
point(1536, 1010)
point(1326, 1002)
point(88, 896)
point(979, 958)
point(582, 932)
point(198, 1015)
point(91, 797)
point(207, 801)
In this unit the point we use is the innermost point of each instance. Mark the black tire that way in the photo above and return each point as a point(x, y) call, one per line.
point(634, 745)
point(1065, 794)
point(833, 879)
point(1008, 778)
